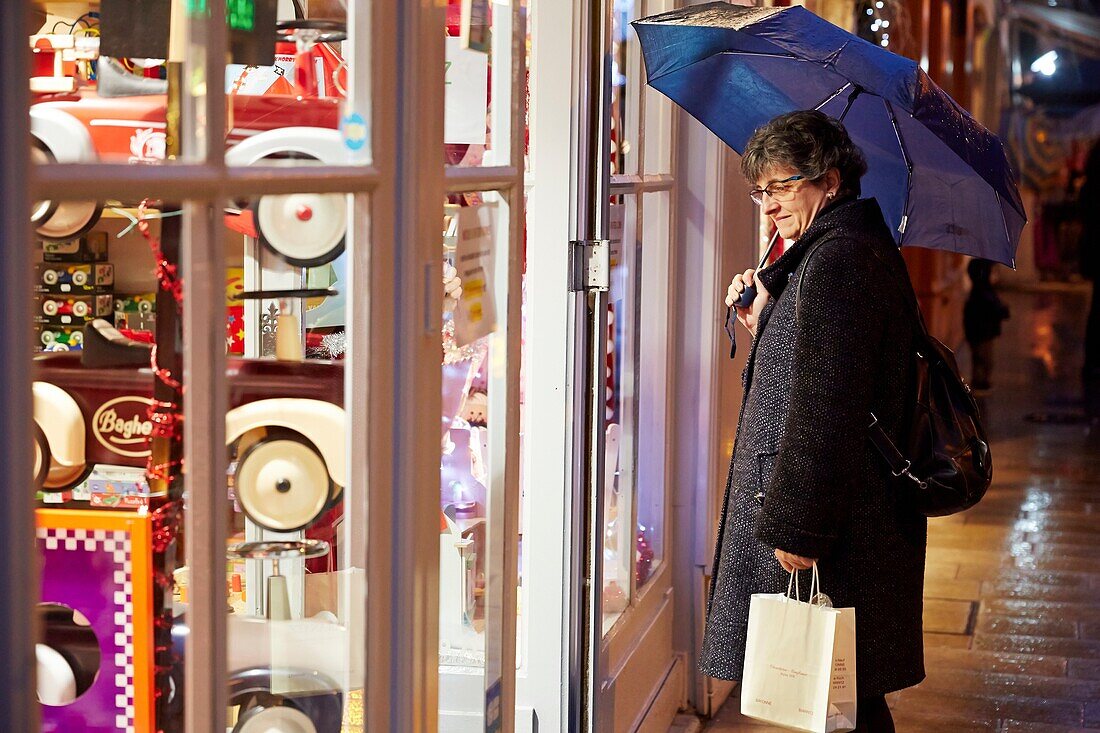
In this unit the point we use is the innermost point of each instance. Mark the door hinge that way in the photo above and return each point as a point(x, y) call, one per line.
point(590, 265)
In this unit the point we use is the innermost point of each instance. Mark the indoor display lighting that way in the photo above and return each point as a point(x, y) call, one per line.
point(1046, 64)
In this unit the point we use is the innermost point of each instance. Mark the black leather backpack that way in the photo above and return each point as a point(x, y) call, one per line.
point(945, 461)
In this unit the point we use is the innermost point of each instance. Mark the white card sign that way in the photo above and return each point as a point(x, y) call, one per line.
point(466, 85)
point(475, 316)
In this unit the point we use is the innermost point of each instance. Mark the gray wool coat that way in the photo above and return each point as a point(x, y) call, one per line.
point(803, 477)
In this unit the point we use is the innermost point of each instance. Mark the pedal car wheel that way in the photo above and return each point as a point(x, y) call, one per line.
point(80, 278)
point(263, 719)
point(304, 229)
point(56, 679)
point(80, 309)
point(50, 277)
point(282, 482)
point(41, 210)
point(42, 458)
point(62, 477)
point(49, 307)
point(69, 220)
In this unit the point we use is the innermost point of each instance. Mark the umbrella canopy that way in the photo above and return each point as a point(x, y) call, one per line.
point(943, 181)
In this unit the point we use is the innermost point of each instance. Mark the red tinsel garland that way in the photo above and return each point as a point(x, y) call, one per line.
point(167, 419)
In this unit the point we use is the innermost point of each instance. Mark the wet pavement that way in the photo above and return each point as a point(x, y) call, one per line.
point(1012, 588)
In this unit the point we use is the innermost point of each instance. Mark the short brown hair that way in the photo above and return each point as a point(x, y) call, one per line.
point(809, 141)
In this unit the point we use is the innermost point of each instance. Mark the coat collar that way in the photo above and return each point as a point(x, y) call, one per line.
point(855, 216)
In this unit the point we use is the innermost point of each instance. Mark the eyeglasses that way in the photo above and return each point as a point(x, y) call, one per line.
point(778, 190)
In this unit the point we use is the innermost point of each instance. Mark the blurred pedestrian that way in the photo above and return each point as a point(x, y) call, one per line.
point(1089, 200)
point(982, 316)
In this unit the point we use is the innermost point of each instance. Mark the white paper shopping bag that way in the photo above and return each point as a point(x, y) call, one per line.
point(800, 663)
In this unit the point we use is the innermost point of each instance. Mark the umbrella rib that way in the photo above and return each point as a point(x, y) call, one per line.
point(832, 96)
point(1004, 222)
point(908, 167)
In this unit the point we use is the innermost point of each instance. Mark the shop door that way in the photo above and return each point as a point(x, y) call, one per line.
point(306, 461)
point(480, 249)
point(625, 676)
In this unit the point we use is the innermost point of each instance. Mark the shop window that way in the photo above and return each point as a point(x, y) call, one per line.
point(478, 89)
point(474, 250)
point(626, 81)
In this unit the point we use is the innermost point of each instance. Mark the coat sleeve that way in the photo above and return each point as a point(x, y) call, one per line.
point(838, 331)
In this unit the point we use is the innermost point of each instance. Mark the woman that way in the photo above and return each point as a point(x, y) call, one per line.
point(804, 484)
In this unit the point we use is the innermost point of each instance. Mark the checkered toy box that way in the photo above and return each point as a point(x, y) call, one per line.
point(99, 563)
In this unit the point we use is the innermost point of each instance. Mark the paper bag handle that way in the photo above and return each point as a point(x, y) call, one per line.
point(815, 584)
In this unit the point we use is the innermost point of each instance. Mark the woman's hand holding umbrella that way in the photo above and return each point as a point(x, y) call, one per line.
point(749, 316)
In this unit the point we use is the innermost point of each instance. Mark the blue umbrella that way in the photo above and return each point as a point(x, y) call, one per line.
point(943, 181)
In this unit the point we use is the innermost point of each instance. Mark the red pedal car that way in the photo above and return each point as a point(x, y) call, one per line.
point(275, 118)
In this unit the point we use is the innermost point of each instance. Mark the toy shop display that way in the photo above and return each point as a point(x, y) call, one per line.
point(107, 427)
point(136, 312)
point(73, 284)
point(468, 319)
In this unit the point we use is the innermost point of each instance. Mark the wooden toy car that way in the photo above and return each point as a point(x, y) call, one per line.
point(69, 339)
point(70, 307)
point(66, 278)
point(143, 303)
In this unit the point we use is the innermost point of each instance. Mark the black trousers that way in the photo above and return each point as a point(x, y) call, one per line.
point(873, 716)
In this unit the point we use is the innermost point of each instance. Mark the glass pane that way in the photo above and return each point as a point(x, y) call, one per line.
point(295, 587)
point(107, 85)
point(297, 101)
point(626, 80)
point(657, 134)
point(474, 251)
point(296, 630)
point(621, 411)
point(99, 83)
point(478, 83)
point(105, 602)
point(653, 376)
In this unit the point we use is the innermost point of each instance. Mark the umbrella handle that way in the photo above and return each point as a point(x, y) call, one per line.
point(748, 295)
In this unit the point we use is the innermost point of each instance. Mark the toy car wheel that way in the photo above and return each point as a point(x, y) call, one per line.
point(41, 210)
point(264, 718)
point(66, 478)
point(76, 338)
point(312, 29)
point(49, 307)
point(47, 337)
point(80, 278)
point(69, 220)
point(80, 309)
point(282, 482)
point(304, 229)
point(50, 277)
point(42, 458)
point(145, 306)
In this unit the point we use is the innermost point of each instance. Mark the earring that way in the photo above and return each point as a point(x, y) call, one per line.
point(830, 195)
